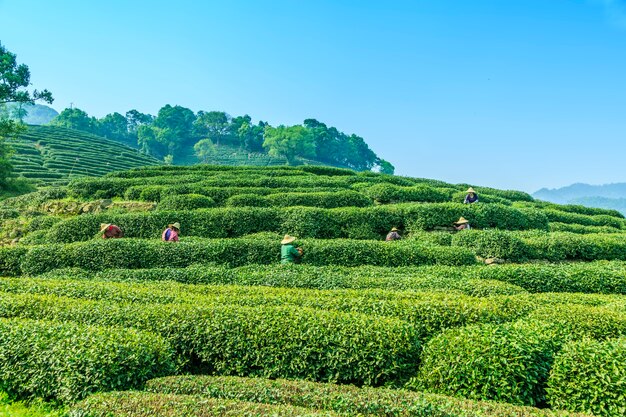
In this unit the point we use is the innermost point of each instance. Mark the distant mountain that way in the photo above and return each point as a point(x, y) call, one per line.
point(36, 114)
point(611, 196)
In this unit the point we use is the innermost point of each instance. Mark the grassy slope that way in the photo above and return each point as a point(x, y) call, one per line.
point(576, 226)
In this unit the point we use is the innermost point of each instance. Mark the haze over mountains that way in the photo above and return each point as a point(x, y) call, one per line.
point(611, 196)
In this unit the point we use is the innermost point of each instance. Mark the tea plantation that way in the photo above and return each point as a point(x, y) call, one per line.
point(49, 155)
point(523, 315)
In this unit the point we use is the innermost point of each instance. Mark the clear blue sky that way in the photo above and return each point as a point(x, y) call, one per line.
point(509, 93)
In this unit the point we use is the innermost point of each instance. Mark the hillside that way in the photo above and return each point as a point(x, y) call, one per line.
point(51, 154)
point(610, 196)
point(524, 310)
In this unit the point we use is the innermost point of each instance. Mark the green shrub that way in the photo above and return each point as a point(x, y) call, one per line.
point(312, 277)
point(574, 321)
point(429, 216)
point(6, 214)
point(135, 253)
point(344, 399)
point(603, 277)
point(136, 404)
point(511, 195)
point(305, 222)
point(149, 193)
point(590, 377)
point(10, 260)
point(247, 200)
point(582, 219)
point(582, 229)
point(271, 342)
point(492, 244)
point(185, 202)
point(42, 223)
point(428, 312)
point(459, 197)
point(508, 362)
point(67, 361)
point(325, 170)
point(590, 211)
point(388, 193)
point(321, 199)
point(561, 246)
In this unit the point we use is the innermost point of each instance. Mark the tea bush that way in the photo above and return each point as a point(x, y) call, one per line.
point(589, 376)
point(508, 362)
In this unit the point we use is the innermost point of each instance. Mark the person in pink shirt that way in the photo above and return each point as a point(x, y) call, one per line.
point(171, 233)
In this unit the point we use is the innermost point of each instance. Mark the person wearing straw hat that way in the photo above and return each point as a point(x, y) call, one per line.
point(110, 231)
point(471, 196)
point(393, 235)
point(462, 224)
point(171, 233)
point(288, 251)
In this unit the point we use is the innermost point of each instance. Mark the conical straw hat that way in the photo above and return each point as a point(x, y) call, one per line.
point(470, 190)
point(104, 226)
point(462, 220)
point(287, 239)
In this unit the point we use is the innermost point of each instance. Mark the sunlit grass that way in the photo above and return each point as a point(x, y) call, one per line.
point(20, 409)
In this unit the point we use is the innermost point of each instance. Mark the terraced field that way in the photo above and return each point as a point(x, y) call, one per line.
point(524, 315)
point(49, 155)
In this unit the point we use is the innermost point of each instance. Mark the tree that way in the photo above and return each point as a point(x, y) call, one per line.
point(204, 150)
point(14, 79)
point(289, 142)
point(76, 119)
point(114, 126)
point(214, 125)
point(178, 119)
point(251, 136)
point(136, 119)
point(385, 167)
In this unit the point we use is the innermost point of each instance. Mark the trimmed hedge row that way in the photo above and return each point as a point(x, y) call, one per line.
point(589, 376)
point(582, 219)
point(576, 321)
point(428, 312)
point(271, 342)
point(344, 399)
point(185, 202)
point(116, 187)
point(385, 193)
point(142, 404)
point(98, 255)
point(582, 229)
point(68, 361)
point(344, 198)
point(220, 195)
point(353, 223)
point(554, 247)
point(601, 277)
point(436, 278)
point(575, 208)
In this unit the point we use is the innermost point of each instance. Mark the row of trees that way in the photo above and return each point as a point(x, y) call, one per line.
point(174, 129)
point(14, 80)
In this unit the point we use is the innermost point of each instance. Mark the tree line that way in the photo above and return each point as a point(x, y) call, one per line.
point(170, 133)
point(14, 83)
